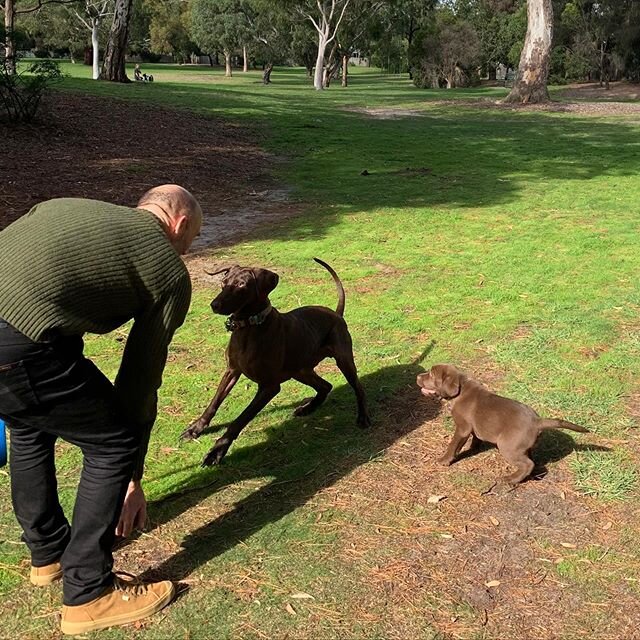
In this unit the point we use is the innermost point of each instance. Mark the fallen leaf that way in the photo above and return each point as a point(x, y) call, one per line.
point(495, 521)
point(607, 526)
point(291, 610)
point(569, 545)
point(563, 495)
point(302, 596)
point(435, 499)
point(446, 535)
point(492, 583)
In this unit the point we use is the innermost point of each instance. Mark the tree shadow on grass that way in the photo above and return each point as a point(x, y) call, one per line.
point(303, 456)
point(475, 157)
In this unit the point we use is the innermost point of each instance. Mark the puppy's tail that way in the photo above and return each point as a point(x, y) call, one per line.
point(561, 424)
point(339, 287)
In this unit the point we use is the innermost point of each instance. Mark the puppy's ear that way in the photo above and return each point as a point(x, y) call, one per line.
point(450, 382)
point(266, 281)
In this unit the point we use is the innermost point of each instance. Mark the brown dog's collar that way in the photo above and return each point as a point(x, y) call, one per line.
point(231, 323)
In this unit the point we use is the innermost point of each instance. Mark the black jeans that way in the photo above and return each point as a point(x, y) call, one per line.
point(49, 390)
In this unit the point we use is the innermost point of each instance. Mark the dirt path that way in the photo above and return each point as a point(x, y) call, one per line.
point(115, 150)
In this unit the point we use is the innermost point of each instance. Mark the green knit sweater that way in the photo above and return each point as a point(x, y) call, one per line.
point(72, 266)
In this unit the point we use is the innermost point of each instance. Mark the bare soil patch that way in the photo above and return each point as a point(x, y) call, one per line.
point(580, 108)
point(593, 91)
point(115, 150)
point(540, 561)
point(587, 100)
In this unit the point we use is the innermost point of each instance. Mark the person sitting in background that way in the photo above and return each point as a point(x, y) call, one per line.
point(141, 77)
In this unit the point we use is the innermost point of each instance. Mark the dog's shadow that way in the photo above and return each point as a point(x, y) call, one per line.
point(552, 446)
point(302, 456)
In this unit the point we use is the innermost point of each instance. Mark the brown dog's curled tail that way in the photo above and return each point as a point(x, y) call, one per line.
point(339, 287)
point(561, 424)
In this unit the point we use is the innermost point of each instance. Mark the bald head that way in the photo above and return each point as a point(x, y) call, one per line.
point(179, 212)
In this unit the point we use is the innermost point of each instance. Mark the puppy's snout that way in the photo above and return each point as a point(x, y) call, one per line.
point(422, 378)
point(215, 305)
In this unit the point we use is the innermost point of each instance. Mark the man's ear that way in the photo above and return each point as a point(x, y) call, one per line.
point(180, 226)
point(266, 281)
point(450, 382)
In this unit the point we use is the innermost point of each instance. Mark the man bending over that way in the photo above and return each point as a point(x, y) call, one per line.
point(69, 267)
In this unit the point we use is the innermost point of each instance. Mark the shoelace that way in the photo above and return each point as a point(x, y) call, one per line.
point(129, 584)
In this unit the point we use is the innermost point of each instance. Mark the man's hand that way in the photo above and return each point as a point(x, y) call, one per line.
point(134, 510)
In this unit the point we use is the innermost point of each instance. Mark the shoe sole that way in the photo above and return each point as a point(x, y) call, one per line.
point(76, 628)
point(45, 581)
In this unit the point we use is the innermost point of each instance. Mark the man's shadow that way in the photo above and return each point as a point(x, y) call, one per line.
point(304, 456)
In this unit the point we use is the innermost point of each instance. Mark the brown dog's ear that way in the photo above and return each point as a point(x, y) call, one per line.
point(266, 281)
point(219, 271)
point(450, 381)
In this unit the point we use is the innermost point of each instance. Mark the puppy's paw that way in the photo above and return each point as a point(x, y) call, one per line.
point(193, 431)
point(445, 461)
point(216, 454)
point(512, 480)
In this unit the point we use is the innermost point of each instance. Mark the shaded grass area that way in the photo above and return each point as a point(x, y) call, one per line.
point(503, 242)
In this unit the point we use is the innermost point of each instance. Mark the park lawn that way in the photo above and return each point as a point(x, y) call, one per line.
point(505, 242)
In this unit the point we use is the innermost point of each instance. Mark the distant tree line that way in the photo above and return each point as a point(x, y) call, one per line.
point(439, 43)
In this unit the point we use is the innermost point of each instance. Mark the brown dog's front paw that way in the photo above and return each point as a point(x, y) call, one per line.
point(445, 461)
point(216, 454)
point(364, 421)
point(193, 431)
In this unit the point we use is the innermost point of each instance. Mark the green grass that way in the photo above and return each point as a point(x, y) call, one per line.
point(517, 251)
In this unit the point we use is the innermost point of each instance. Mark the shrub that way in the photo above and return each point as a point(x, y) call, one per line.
point(21, 93)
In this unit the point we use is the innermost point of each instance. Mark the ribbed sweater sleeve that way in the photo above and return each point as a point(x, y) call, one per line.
point(144, 358)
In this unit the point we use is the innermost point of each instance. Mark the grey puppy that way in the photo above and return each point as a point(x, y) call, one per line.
point(512, 426)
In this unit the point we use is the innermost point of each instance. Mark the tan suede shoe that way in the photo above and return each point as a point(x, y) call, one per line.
point(126, 601)
point(44, 576)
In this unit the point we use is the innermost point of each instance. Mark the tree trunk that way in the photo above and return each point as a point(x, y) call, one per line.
point(318, 77)
point(245, 60)
point(228, 71)
point(601, 63)
point(330, 66)
point(113, 67)
point(533, 71)
point(345, 70)
point(95, 44)
point(266, 74)
point(9, 49)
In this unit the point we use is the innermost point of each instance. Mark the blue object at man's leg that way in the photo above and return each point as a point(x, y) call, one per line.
point(3, 445)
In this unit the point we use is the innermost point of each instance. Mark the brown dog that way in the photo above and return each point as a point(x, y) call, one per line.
point(512, 426)
point(270, 347)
